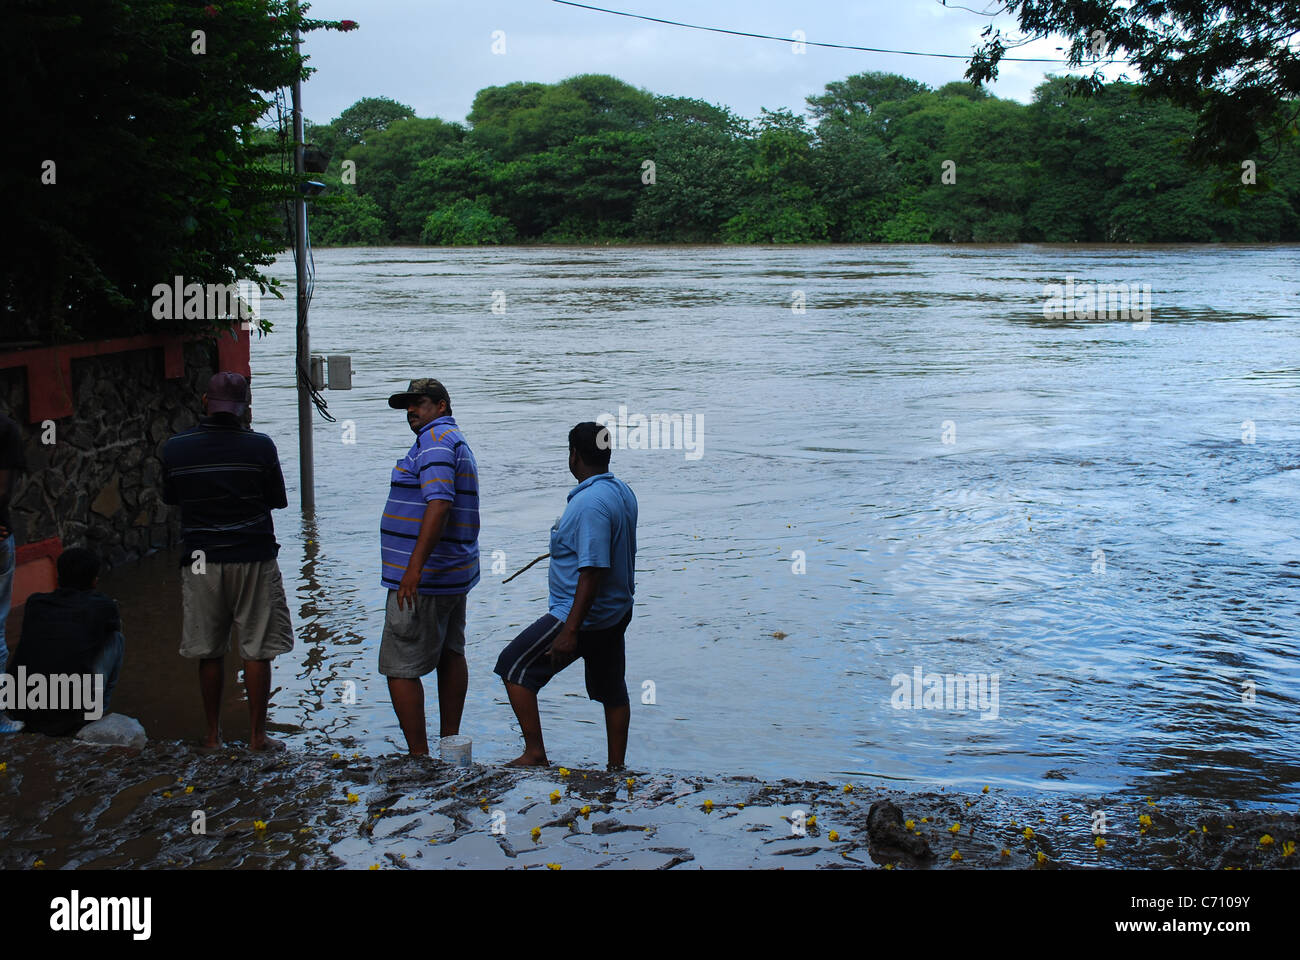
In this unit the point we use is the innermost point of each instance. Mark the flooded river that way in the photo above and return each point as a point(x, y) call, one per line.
point(905, 484)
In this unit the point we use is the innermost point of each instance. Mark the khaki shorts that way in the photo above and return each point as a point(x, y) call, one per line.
point(414, 638)
point(246, 596)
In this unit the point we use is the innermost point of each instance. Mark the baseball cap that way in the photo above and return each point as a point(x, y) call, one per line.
point(228, 393)
point(423, 387)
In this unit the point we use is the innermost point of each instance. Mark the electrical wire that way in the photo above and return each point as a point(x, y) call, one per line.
point(814, 43)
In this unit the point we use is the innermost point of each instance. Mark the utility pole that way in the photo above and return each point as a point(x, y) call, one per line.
point(306, 469)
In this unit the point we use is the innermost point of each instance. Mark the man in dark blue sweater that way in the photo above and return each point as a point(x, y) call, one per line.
point(227, 480)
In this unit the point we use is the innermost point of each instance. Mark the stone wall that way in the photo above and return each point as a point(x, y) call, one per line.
point(98, 484)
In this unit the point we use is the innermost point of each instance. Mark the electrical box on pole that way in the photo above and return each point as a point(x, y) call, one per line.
point(340, 368)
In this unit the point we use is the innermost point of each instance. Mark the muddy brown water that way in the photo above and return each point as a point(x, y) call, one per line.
point(1099, 534)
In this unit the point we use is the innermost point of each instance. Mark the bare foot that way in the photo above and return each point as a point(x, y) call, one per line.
point(527, 759)
point(209, 744)
point(268, 745)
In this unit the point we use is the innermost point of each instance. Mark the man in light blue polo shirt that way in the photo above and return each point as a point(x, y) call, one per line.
point(593, 558)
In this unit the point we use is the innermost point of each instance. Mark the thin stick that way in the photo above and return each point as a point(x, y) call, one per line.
point(522, 569)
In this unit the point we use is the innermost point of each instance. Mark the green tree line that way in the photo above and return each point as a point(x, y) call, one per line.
point(880, 158)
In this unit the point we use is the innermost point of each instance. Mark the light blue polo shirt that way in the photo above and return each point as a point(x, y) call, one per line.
point(597, 529)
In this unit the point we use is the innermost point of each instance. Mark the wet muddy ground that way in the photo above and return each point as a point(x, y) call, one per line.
point(65, 804)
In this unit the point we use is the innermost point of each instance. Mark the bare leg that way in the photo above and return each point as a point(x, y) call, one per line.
point(408, 703)
point(617, 720)
point(212, 678)
point(524, 702)
point(257, 684)
point(453, 682)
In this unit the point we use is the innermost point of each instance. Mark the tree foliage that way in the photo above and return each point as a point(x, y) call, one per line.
point(1234, 63)
point(133, 155)
point(884, 159)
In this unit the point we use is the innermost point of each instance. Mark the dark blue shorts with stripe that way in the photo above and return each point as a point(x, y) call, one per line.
point(527, 660)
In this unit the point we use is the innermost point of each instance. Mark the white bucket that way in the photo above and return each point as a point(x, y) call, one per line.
point(458, 750)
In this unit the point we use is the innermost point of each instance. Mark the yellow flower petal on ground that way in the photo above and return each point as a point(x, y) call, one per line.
point(833, 836)
point(708, 806)
point(167, 794)
point(3, 767)
point(39, 863)
point(353, 798)
point(1099, 842)
point(1265, 840)
point(848, 788)
point(1029, 833)
point(304, 829)
point(985, 790)
point(910, 824)
point(337, 756)
point(189, 789)
point(552, 866)
point(586, 810)
point(1144, 820)
point(811, 821)
point(555, 796)
point(1042, 857)
point(925, 819)
point(536, 832)
point(740, 806)
point(564, 771)
point(955, 828)
point(956, 855)
point(1288, 848)
point(259, 824)
point(373, 866)
point(889, 866)
point(1006, 852)
point(630, 783)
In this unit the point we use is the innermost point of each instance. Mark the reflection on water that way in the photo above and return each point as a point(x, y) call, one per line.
point(1097, 536)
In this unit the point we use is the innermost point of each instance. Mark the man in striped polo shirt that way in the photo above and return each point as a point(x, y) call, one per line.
point(428, 538)
point(227, 480)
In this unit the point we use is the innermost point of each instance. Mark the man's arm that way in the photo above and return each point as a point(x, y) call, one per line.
point(11, 461)
point(566, 642)
point(436, 513)
point(5, 485)
point(273, 489)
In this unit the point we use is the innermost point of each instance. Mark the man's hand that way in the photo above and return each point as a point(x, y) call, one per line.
point(409, 588)
point(565, 646)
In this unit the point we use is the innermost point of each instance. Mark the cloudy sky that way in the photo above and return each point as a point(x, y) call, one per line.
point(436, 54)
